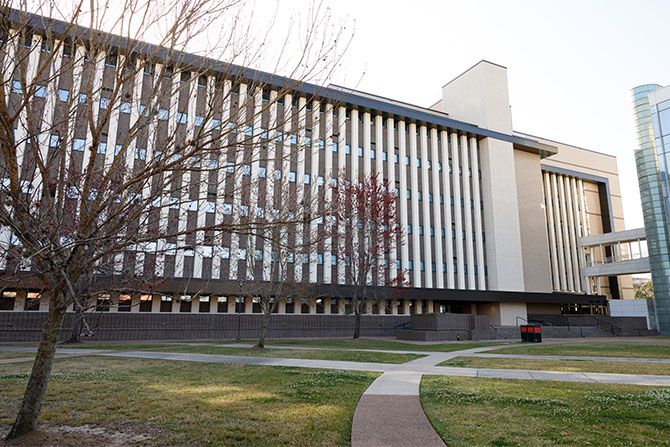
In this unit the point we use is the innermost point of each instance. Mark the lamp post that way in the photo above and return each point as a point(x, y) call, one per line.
point(239, 312)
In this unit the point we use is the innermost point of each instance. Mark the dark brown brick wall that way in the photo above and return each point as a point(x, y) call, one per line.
point(26, 326)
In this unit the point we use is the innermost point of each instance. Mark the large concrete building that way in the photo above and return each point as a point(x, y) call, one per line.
point(490, 216)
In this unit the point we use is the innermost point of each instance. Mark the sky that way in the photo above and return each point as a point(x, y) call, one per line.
point(570, 64)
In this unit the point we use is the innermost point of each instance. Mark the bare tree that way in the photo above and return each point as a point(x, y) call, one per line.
point(119, 156)
point(364, 227)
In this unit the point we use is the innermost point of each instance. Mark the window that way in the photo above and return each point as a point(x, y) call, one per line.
point(102, 148)
point(407, 162)
point(319, 259)
point(104, 103)
point(320, 180)
point(360, 151)
point(258, 255)
point(54, 141)
point(277, 174)
point(420, 230)
point(227, 208)
point(430, 197)
point(16, 87)
point(244, 211)
point(82, 98)
point(322, 145)
point(182, 118)
point(333, 260)
point(40, 91)
point(78, 144)
point(291, 177)
point(246, 170)
point(409, 194)
point(396, 158)
point(241, 254)
point(117, 149)
point(441, 199)
point(305, 258)
point(422, 266)
point(418, 162)
point(385, 156)
point(420, 195)
point(430, 164)
point(225, 252)
point(261, 172)
point(140, 153)
point(163, 114)
point(410, 265)
point(198, 120)
point(398, 264)
point(124, 107)
point(210, 207)
point(110, 60)
point(248, 130)
point(294, 139)
point(307, 179)
point(432, 231)
point(347, 149)
point(409, 228)
point(334, 146)
point(372, 154)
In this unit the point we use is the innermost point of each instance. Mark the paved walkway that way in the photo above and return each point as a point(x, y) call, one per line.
point(389, 412)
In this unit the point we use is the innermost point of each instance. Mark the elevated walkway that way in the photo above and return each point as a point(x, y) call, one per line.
point(613, 254)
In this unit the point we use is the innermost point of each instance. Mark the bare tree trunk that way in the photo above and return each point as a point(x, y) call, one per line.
point(77, 324)
point(357, 320)
point(26, 419)
point(264, 328)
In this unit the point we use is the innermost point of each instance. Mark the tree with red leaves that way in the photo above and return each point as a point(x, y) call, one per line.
point(366, 233)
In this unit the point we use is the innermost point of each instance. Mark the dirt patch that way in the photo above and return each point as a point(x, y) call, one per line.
point(86, 435)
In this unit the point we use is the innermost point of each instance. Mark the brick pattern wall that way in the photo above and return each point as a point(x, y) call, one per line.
point(26, 326)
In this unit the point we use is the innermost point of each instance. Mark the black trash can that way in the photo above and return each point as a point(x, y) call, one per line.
point(531, 333)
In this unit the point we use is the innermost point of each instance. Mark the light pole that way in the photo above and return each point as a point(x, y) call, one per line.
point(239, 312)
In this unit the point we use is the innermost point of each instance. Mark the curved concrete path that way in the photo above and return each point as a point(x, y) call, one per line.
point(389, 412)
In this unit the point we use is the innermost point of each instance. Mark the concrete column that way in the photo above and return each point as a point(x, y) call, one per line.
point(476, 197)
point(326, 305)
point(368, 307)
point(549, 209)
point(429, 307)
point(425, 208)
point(405, 307)
point(566, 236)
point(248, 305)
point(44, 303)
point(281, 306)
point(155, 303)
point(381, 305)
point(402, 199)
point(231, 304)
point(114, 302)
point(20, 300)
point(328, 163)
point(467, 213)
point(213, 304)
point(134, 303)
point(414, 201)
point(394, 307)
point(195, 305)
point(341, 306)
point(446, 208)
point(312, 305)
point(437, 240)
point(390, 173)
point(458, 213)
point(418, 306)
point(176, 303)
point(559, 235)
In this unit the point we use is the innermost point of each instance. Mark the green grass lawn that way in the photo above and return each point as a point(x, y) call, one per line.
point(368, 343)
point(560, 365)
point(660, 350)
point(196, 404)
point(350, 356)
point(494, 412)
point(115, 345)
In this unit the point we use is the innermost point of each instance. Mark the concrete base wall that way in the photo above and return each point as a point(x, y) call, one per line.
point(26, 326)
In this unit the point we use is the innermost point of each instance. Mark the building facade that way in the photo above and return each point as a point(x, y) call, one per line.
point(651, 111)
point(490, 217)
